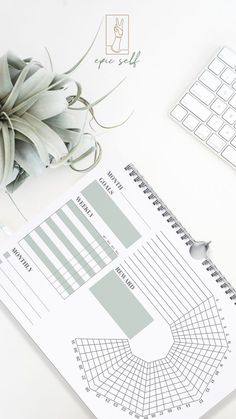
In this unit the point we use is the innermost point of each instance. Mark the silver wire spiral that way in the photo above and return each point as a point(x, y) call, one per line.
point(179, 229)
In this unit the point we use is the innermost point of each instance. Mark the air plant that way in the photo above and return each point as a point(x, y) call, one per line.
point(39, 127)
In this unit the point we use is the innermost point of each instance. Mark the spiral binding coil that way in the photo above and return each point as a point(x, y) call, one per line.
point(179, 229)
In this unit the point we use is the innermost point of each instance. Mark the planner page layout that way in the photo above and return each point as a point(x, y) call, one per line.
point(104, 283)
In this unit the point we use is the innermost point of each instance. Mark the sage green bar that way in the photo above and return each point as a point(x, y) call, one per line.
point(70, 247)
point(117, 299)
point(111, 214)
point(46, 261)
point(59, 255)
point(74, 230)
point(92, 230)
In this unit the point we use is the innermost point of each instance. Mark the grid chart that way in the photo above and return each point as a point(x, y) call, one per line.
point(199, 343)
point(180, 378)
point(67, 249)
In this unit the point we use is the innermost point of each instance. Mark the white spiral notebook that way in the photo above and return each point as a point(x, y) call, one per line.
point(104, 283)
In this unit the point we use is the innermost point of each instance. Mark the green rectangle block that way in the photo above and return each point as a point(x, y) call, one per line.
point(111, 214)
point(121, 304)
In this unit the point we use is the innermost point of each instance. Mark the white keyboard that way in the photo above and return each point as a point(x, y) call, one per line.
point(208, 107)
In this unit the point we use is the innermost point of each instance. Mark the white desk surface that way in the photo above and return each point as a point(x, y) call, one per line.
point(176, 39)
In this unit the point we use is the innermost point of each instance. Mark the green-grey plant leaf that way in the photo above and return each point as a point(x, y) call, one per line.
point(5, 78)
point(53, 143)
point(96, 102)
point(67, 119)
point(27, 157)
point(39, 81)
point(21, 137)
point(2, 156)
point(17, 182)
point(14, 73)
point(49, 104)
point(11, 99)
point(26, 104)
point(15, 61)
point(38, 124)
point(22, 126)
point(69, 136)
point(9, 151)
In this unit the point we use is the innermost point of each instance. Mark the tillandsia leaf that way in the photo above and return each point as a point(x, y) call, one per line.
point(8, 139)
point(26, 104)
point(69, 136)
point(90, 151)
point(95, 151)
point(65, 120)
point(86, 53)
point(22, 126)
point(62, 81)
point(74, 149)
point(21, 137)
point(91, 105)
point(49, 104)
point(38, 124)
point(15, 61)
point(33, 68)
point(59, 81)
point(86, 146)
point(14, 173)
point(28, 159)
point(11, 134)
point(18, 181)
point(39, 81)
point(110, 126)
point(74, 98)
point(23, 107)
point(14, 73)
point(26, 60)
point(49, 58)
point(5, 78)
point(53, 143)
point(2, 157)
point(11, 99)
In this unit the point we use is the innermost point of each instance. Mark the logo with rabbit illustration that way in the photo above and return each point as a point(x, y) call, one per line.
point(117, 34)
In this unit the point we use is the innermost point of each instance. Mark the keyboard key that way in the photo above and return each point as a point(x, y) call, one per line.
point(208, 108)
point(202, 132)
point(230, 154)
point(191, 122)
point(233, 102)
point(225, 92)
point(228, 76)
point(216, 143)
point(215, 123)
point(234, 142)
point(195, 107)
point(216, 66)
point(230, 116)
point(227, 132)
point(210, 80)
point(202, 93)
point(228, 56)
point(179, 113)
point(218, 106)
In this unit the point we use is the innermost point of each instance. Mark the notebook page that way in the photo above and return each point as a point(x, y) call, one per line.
point(108, 290)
